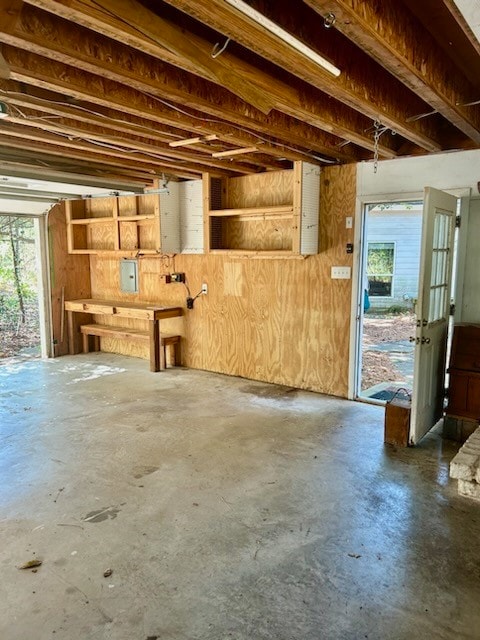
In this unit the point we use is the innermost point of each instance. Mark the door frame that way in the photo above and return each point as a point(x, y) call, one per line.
point(356, 312)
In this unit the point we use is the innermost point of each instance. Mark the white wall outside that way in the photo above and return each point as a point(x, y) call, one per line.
point(470, 294)
point(403, 227)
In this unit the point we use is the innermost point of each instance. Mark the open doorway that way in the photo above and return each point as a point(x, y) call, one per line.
point(390, 275)
point(22, 332)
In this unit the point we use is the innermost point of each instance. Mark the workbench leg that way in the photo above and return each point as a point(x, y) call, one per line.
point(177, 353)
point(71, 333)
point(155, 359)
point(85, 343)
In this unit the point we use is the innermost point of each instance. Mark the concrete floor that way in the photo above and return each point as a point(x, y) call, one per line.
point(227, 509)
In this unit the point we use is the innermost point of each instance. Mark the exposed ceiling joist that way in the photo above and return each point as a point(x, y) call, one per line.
point(392, 36)
point(303, 111)
point(71, 130)
point(28, 168)
point(31, 69)
point(136, 88)
point(361, 85)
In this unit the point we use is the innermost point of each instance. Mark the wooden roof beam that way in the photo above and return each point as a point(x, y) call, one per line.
point(13, 92)
point(34, 70)
point(308, 110)
point(397, 41)
point(112, 182)
point(38, 144)
point(463, 24)
point(41, 162)
point(362, 84)
point(120, 123)
point(77, 130)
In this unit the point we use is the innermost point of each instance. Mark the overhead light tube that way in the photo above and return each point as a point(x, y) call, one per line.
point(288, 38)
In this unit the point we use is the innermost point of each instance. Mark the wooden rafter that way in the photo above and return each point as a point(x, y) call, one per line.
point(91, 148)
point(295, 109)
point(131, 89)
point(31, 69)
point(11, 153)
point(396, 40)
point(362, 84)
point(72, 129)
point(53, 146)
point(121, 122)
point(80, 175)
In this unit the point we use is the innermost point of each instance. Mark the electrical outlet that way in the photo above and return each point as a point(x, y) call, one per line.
point(341, 273)
point(204, 288)
point(178, 277)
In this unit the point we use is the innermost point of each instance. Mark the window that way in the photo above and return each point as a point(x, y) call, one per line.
point(440, 267)
point(380, 259)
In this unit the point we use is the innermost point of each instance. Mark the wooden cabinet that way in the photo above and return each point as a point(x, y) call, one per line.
point(124, 225)
point(272, 214)
point(464, 371)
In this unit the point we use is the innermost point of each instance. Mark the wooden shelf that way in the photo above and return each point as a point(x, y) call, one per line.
point(125, 226)
point(136, 218)
point(92, 220)
point(251, 253)
point(121, 253)
point(275, 212)
point(272, 214)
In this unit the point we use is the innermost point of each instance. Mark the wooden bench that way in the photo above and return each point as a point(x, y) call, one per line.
point(105, 331)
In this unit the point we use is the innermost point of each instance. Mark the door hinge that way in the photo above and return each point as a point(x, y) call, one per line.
point(457, 222)
point(452, 309)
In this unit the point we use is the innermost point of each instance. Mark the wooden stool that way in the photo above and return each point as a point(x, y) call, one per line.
point(170, 341)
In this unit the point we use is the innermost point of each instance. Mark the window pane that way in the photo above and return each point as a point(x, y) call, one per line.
point(380, 262)
point(380, 286)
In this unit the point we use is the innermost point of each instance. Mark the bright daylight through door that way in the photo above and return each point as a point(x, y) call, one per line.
point(390, 273)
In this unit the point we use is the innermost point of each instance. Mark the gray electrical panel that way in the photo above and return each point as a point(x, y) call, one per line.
point(129, 276)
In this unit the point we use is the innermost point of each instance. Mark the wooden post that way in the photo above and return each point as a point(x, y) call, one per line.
point(155, 357)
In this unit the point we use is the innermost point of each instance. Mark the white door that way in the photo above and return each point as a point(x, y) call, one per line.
point(433, 308)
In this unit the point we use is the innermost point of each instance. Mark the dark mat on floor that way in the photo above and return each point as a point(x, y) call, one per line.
point(388, 394)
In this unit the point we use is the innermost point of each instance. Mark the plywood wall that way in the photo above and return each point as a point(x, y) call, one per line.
point(69, 276)
point(276, 320)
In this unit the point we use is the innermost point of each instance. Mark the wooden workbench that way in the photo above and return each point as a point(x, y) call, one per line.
point(80, 311)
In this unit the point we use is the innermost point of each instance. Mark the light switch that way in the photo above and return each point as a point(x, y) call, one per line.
point(341, 273)
point(349, 222)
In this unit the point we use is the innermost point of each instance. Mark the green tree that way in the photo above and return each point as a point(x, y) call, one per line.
point(17, 266)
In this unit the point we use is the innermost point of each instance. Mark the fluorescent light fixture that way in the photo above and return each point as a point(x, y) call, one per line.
point(3, 110)
point(265, 22)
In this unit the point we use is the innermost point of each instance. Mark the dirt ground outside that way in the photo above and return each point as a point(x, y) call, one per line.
point(378, 331)
point(18, 338)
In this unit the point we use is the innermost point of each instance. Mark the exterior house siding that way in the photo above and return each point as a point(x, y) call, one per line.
point(403, 227)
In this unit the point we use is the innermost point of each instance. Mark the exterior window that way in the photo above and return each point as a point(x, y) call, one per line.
point(380, 260)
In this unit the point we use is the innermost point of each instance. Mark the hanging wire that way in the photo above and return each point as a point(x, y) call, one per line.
point(308, 153)
point(376, 139)
point(421, 115)
point(217, 50)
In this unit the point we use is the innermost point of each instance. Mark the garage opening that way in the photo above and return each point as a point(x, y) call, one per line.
point(21, 328)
